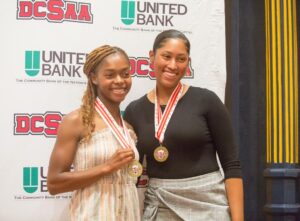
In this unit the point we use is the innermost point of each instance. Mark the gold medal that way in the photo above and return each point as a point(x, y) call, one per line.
point(161, 154)
point(161, 121)
point(135, 168)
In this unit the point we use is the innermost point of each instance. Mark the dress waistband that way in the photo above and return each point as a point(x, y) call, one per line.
point(190, 181)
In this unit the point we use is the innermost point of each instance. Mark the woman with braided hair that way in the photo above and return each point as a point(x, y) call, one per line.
point(99, 145)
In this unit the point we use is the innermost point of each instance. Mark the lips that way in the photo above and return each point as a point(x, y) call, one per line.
point(119, 91)
point(170, 75)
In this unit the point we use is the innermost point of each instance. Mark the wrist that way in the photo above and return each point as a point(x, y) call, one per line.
point(237, 218)
point(106, 169)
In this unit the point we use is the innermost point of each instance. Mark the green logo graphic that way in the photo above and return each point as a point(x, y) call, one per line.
point(127, 11)
point(30, 179)
point(32, 63)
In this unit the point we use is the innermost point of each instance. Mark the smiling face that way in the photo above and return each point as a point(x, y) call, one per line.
point(112, 78)
point(170, 62)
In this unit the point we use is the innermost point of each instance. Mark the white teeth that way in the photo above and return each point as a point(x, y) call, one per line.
point(170, 74)
point(119, 91)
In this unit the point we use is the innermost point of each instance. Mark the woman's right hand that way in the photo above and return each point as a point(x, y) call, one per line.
point(121, 158)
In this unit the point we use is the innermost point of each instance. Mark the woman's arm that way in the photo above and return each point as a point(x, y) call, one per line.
point(223, 137)
point(60, 177)
point(235, 195)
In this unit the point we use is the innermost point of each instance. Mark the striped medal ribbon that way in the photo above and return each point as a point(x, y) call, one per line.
point(135, 168)
point(161, 121)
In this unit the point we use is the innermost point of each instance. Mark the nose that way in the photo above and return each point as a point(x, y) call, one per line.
point(172, 64)
point(118, 79)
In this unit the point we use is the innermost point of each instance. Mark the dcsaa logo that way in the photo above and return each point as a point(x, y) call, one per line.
point(37, 124)
point(54, 11)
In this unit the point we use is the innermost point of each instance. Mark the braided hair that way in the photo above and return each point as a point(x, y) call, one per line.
point(91, 64)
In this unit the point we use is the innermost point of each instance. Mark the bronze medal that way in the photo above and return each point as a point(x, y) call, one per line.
point(135, 168)
point(161, 154)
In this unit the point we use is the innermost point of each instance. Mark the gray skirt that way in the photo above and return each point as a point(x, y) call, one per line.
point(201, 198)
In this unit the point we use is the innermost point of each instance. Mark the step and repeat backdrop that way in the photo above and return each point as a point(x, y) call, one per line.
point(44, 44)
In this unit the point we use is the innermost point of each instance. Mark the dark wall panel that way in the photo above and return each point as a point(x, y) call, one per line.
point(245, 95)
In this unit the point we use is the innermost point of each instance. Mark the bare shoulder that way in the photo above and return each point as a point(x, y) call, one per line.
point(131, 131)
point(72, 122)
point(73, 117)
point(128, 125)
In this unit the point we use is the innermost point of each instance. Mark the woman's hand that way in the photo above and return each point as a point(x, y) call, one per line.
point(121, 158)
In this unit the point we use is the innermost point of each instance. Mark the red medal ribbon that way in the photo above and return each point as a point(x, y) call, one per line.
point(161, 121)
point(123, 138)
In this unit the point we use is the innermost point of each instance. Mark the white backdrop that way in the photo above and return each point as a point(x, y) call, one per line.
point(44, 43)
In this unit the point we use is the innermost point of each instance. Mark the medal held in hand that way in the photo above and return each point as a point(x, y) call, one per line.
point(135, 168)
point(161, 122)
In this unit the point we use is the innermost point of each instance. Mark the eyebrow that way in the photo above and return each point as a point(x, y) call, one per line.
point(112, 69)
point(170, 52)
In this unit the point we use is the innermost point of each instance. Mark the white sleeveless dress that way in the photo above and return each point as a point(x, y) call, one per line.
point(113, 197)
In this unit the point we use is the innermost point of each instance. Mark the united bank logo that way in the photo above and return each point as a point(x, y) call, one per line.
point(54, 11)
point(128, 11)
point(34, 179)
point(32, 63)
point(54, 63)
point(151, 13)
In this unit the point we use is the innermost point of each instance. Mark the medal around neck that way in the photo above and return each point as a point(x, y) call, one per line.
point(161, 121)
point(135, 168)
point(161, 154)
point(123, 137)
